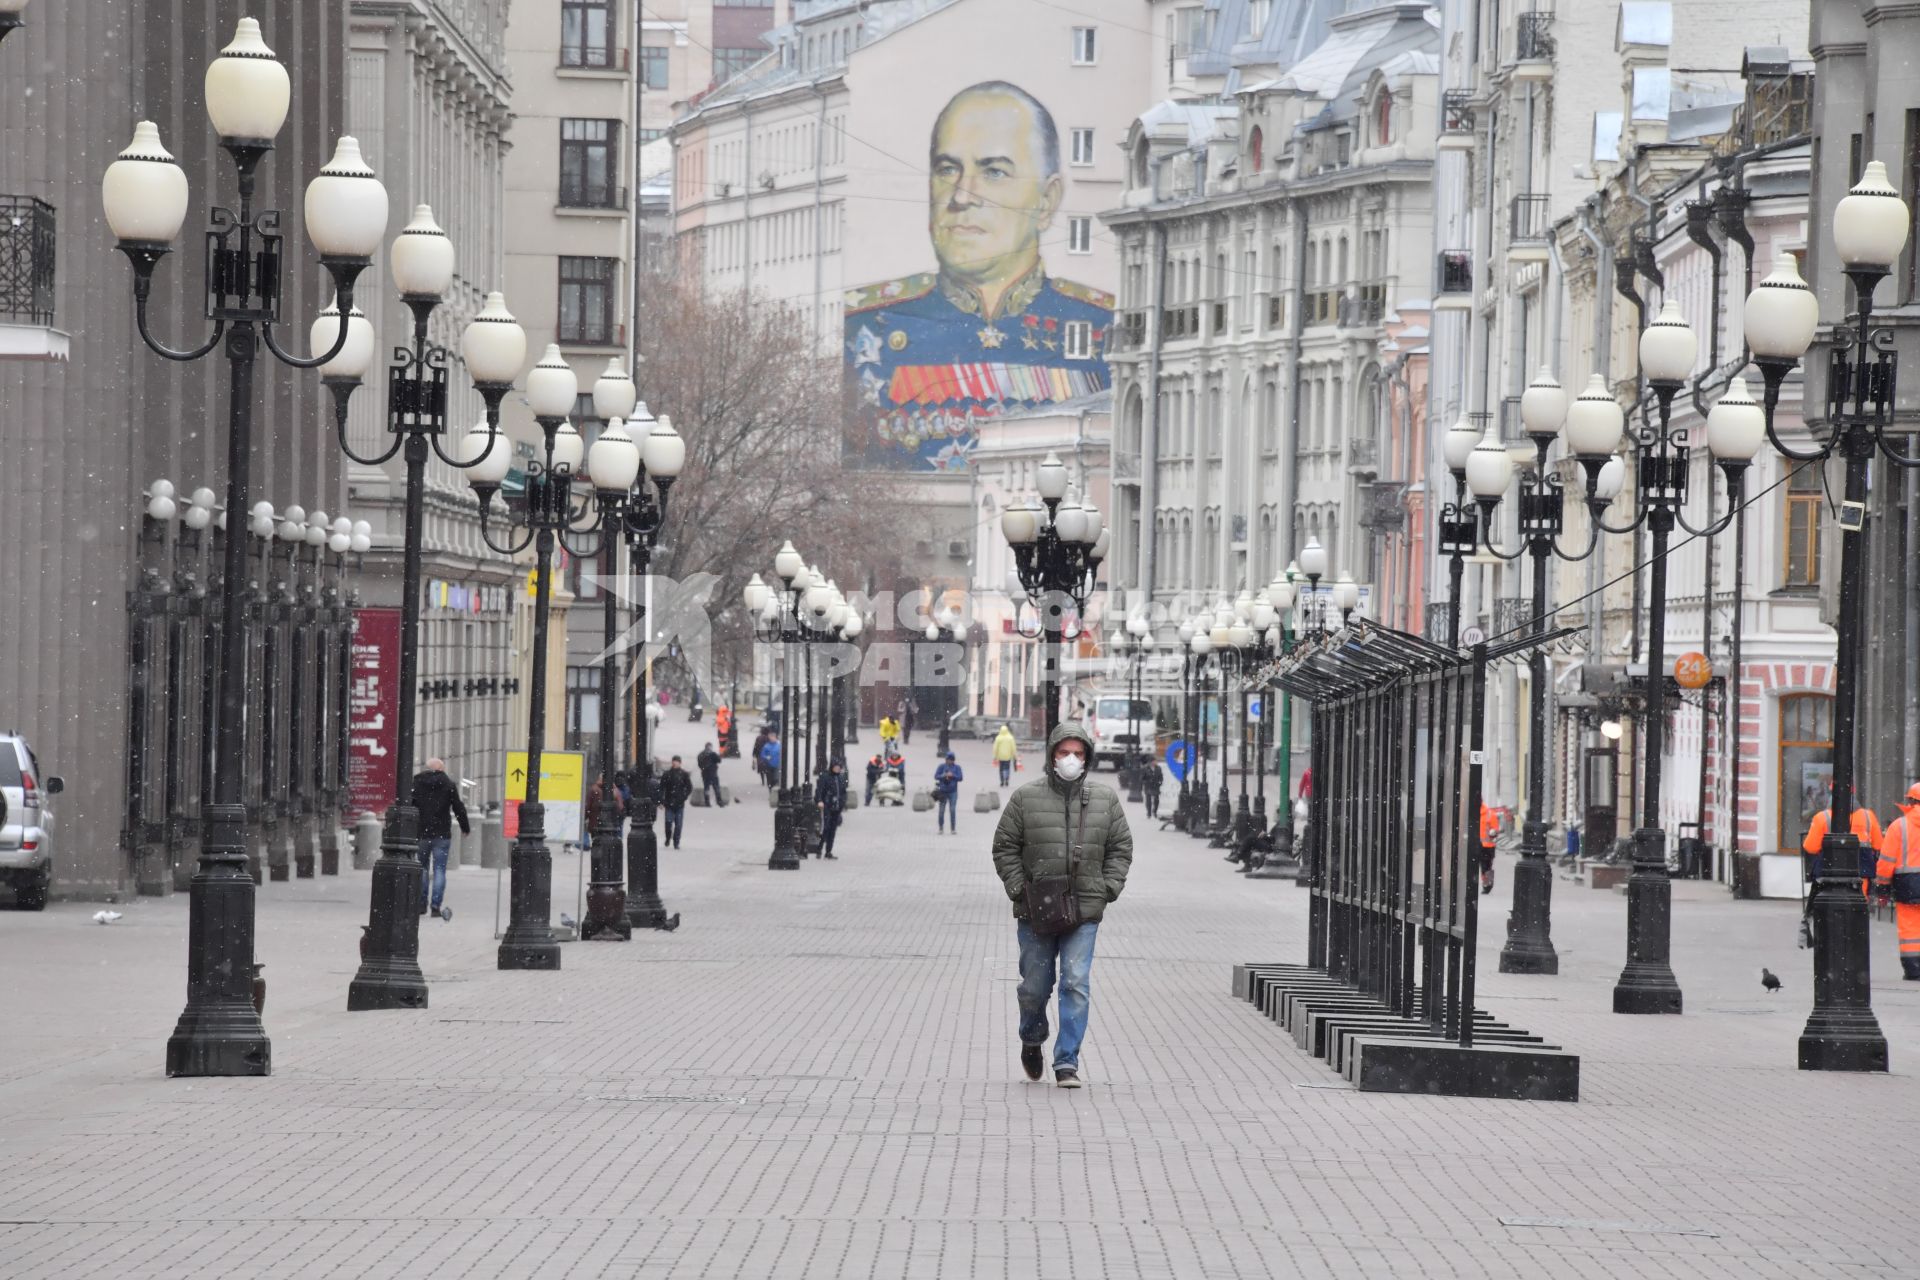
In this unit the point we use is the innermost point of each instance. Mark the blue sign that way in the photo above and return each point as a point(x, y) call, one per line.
point(1179, 755)
point(1254, 709)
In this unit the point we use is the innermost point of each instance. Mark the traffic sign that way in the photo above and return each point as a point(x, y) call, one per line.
point(1472, 636)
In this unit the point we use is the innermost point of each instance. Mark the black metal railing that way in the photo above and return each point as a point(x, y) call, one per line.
point(1456, 111)
point(1529, 219)
point(1456, 271)
point(26, 260)
point(1535, 36)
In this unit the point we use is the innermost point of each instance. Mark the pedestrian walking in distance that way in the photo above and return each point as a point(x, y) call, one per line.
point(438, 802)
point(875, 767)
point(908, 710)
point(1062, 851)
point(1005, 752)
point(709, 762)
point(756, 757)
point(770, 761)
point(830, 795)
point(1152, 778)
point(676, 788)
point(946, 793)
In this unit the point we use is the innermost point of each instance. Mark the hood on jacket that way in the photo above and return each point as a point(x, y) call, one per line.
point(1069, 729)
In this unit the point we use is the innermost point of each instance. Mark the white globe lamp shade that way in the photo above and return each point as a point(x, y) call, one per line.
point(317, 530)
point(144, 192)
point(198, 517)
point(614, 460)
point(1281, 594)
point(1781, 314)
point(1543, 405)
point(1489, 470)
point(614, 395)
point(340, 543)
point(247, 88)
point(787, 562)
point(1668, 347)
point(1313, 559)
point(1596, 422)
point(356, 354)
point(487, 455)
point(1264, 616)
point(756, 594)
point(1346, 593)
point(343, 526)
point(552, 387)
point(422, 258)
point(493, 343)
point(1459, 443)
point(1201, 644)
point(666, 451)
point(1052, 479)
point(569, 449)
point(1069, 521)
point(346, 205)
point(853, 626)
point(1736, 425)
point(1020, 524)
point(1243, 605)
point(1870, 222)
point(1185, 630)
point(1137, 626)
point(1241, 635)
point(1611, 480)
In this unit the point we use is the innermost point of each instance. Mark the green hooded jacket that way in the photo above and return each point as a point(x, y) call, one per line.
point(1042, 816)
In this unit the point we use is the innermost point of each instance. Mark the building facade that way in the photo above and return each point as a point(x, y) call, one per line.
point(87, 673)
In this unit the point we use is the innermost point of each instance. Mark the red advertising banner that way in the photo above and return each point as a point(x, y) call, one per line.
point(373, 709)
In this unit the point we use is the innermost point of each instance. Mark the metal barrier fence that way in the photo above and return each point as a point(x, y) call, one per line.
point(1392, 862)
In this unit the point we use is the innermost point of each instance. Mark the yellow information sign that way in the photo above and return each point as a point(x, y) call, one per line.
point(563, 792)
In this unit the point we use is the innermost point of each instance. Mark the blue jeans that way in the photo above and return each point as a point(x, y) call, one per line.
point(676, 819)
point(1037, 953)
point(1006, 771)
point(947, 809)
point(433, 869)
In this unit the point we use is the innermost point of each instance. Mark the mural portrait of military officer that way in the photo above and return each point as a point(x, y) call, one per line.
point(990, 331)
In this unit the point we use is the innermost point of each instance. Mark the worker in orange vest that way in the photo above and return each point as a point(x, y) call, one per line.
point(1865, 826)
point(1489, 831)
point(723, 724)
point(1899, 869)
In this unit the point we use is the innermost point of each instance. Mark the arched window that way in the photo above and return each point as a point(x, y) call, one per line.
point(1140, 166)
point(1383, 117)
point(1256, 151)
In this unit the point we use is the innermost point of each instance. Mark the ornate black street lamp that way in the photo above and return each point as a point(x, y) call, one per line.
point(1870, 228)
point(145, 199)
point(1282, 595)
point(1056, 560)
point(494, 347)
point(1489, 470)
point(1232, 640)
point(10, 16)
point(642, 515)
point(1199, 824)
point(1189, 661)
point(948, 623)
point(779, 612)
point(547, 513)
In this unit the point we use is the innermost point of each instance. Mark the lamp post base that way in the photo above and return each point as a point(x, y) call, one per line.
point(219, 1032)
point(786, 856)
point(643, 906)
point(1529, 946)
point(529, 943)
point(607, 919)
point(389, 976)
point(1842, 1033)
point(1853, 1042)
point(1647, 984)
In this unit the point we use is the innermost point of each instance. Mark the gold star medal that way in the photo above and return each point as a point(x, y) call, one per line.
point(991, 338)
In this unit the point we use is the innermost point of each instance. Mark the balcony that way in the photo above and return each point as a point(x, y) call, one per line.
point(1454, 290)
point(27, 227)
point(1534, 47)
point(584, 198)
point(1180, 322)
point(1456, 120)
point(1528, 226)
point(1130, 334)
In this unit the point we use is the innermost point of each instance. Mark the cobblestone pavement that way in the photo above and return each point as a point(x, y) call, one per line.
point(816, 1076)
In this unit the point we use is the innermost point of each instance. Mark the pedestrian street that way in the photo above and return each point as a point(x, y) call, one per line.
point(817, 1076)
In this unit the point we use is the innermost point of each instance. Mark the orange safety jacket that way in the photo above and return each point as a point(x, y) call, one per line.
point(1899, 867)
point(1866, 826)
point(1489, 827)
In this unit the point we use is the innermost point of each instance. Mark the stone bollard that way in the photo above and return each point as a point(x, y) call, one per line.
point(493, 840)
point(726, 795)
point(922, 801)
point(698, 799)
point(986, 801)
point(366, 842)
point(853, 796)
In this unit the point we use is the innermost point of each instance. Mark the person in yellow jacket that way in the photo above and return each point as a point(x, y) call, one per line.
point(1005, 752)
point(1899, 869)
point(889, 732)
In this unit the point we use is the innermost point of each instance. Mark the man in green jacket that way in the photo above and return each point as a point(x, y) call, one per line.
point(1041, 823)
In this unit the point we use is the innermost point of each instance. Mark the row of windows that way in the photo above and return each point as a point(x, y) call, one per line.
point(775, 237)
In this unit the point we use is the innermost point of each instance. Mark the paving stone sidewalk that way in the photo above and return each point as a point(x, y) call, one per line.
point(817, 1077)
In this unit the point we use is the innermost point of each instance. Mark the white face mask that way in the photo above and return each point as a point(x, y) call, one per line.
point(1069, 768)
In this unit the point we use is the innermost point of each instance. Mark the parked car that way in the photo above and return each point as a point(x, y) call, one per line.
point(1120, 726)
point(26, 818)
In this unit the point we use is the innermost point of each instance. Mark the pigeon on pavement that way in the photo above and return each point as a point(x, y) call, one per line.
point(566, 921)
point(1769, 979)
point(105, 917)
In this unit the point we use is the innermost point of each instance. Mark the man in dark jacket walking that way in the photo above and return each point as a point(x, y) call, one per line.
point(709, 762)
point(946, 793)
point(438, 802)
point(676, 787)
point(1152, 778)
point(830, 795)
point(1062, 824)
